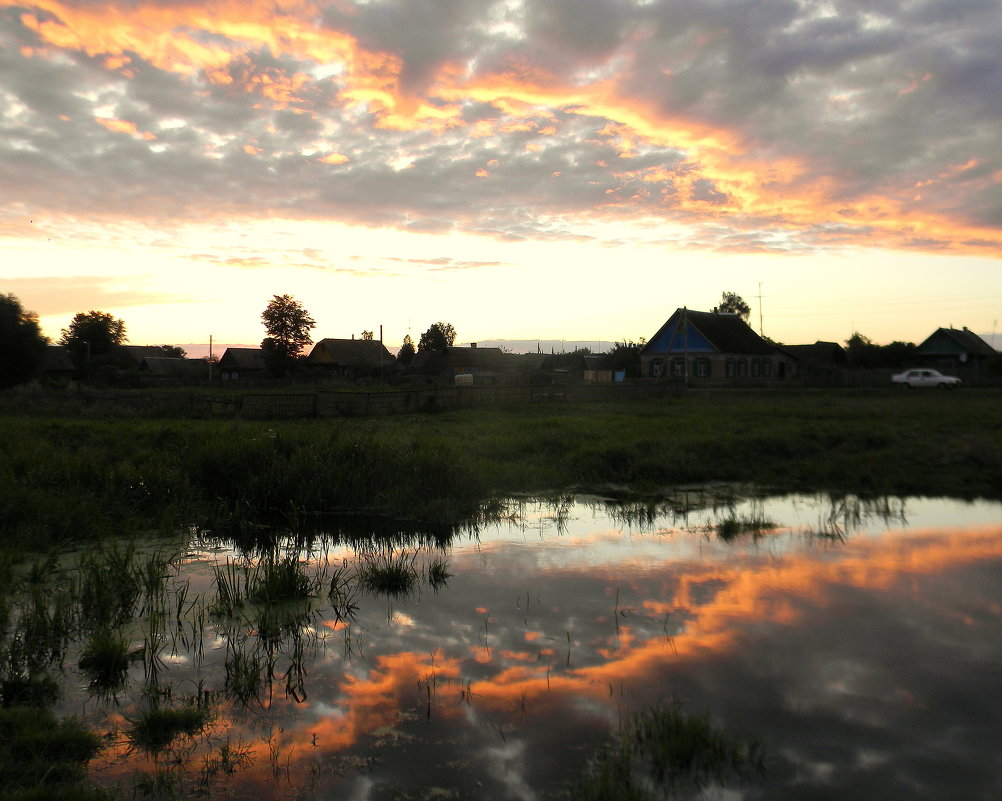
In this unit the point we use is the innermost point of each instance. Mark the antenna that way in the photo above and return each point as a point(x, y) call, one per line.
point(761, 331)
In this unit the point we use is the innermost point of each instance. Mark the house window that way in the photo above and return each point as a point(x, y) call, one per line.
point(678, 368)
point(742, 368)
point(729, 368)
point(657, 368)
point(702, 368)
point(756, 368)
point(767, 368)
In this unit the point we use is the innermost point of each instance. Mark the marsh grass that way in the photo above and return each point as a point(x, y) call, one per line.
point(731, 528)
point(662, 750)
point(62, 480)
point(389, 573)
point(157, 726)
point(42, 758)
point(105, 658)
point(438, 573)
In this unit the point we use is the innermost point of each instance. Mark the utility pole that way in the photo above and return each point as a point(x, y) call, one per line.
point(210, 358)
point(761, 331)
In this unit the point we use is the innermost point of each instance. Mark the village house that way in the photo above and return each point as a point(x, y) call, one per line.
point(713, 349)
point(237, 363)
point(350, 358)
point(953, 349)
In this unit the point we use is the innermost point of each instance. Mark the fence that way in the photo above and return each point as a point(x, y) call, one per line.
point(357, 404)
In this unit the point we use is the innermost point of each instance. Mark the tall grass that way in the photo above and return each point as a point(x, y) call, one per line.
point(68, 479)
point(663, 750)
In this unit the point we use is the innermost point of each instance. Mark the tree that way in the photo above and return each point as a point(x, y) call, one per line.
point(439, 336)
point(733, 303)
point(368, 336)
point(91, 334)
point(626, 356)
point(172, 351)
point(22, 344)
point(406, 353)
point(288, 326)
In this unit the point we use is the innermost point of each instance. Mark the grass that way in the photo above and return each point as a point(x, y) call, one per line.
point(730, 528)
point(158, 726)
point(105, 659)
point(662, 750)
point(44, 758)
point(388, 573)
point(61, 479)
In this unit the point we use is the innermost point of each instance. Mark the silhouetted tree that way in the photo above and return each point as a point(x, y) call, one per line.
point(92, 334)
point(22, 344)
point(439, 336)
point(732, 303)
point(368, 336)
point(172, 351)
point(626, 356)
point(861, 351)
point(288, 326)
point(406, 353)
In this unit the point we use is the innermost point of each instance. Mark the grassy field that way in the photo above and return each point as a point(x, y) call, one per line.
point(69, 478)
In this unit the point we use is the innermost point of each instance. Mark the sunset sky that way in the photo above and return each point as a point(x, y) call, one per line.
point(523, 169)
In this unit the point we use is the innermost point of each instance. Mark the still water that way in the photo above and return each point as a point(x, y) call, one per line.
point(857, 643)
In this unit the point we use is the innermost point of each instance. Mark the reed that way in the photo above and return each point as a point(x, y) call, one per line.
point(661, 751)
point(389, 574)
point(157, 726)
point(105, 659)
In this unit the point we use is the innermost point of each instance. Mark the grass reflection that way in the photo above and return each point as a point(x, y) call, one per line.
point(662, 750)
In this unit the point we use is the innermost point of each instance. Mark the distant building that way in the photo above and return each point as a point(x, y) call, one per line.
point(953, 349)
point(350, 358)
point(237, 363)
point(713, 349)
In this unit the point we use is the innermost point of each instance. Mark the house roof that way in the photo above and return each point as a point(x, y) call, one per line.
point(353, 353)
point(706, 332)
point(242, 359)
point(134, 354)
point(818, 353)
point(953, 341)
point(172, 366)
point(477, 358)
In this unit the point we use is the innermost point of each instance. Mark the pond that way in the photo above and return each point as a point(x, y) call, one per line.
point(811, 646)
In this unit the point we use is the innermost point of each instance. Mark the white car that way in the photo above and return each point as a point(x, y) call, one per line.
point(925, 378)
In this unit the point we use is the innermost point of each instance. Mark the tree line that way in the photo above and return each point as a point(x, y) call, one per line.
point(92, 336)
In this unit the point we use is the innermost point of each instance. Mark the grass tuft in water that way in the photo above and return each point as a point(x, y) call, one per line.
point(661, 751)
point(157, 726)
point(438, 573)
point(280, 579)
point(105, 659)
point(389, 574)
point(731, 528)
point(42, 758)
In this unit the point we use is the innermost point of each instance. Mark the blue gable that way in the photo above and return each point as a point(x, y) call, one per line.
point(671, 340)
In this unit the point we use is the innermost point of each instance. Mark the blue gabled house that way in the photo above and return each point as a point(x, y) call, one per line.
point(713, 349)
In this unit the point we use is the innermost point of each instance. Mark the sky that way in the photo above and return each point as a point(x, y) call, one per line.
point(522, 169)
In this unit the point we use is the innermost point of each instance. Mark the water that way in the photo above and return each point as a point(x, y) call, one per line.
point(857, 643)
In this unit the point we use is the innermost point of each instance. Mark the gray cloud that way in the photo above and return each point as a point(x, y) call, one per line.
point(894, 103)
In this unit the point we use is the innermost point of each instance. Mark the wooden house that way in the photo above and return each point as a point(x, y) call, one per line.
point(954, 349)
point(350, 358)
point(713, 349)
point(237, 363)
point(175, 370)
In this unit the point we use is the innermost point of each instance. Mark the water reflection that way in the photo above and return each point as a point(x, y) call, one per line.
point(857, 642)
